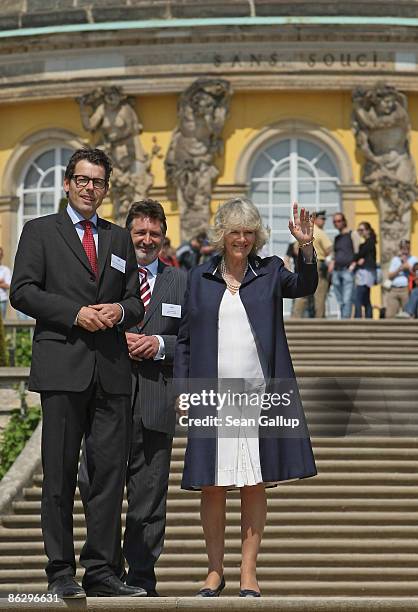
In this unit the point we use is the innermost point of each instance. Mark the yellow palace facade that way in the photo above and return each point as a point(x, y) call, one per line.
point(287, 130)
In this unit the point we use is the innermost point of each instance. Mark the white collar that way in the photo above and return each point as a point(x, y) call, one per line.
point(77, 218)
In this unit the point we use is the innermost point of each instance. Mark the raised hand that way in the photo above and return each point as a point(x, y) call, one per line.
point(302, 226)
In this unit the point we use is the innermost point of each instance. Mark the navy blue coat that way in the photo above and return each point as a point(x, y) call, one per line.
point(264, 286)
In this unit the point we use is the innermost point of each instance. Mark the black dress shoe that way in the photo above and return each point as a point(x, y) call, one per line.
point(249, 593)
point(212, 592)
point(152, 593)
point(112, 586)
point(65, 587)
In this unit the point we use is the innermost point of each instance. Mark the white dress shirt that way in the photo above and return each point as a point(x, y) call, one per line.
point(76, 218)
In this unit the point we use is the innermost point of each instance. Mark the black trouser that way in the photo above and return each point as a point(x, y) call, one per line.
point(147, 483)
point(104, 421)
point(362, 298)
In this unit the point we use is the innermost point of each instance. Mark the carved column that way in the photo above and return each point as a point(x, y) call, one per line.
point(382, 128)
point(195, 143)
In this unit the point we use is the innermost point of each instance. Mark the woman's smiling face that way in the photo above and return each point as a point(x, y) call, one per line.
point(239, 243)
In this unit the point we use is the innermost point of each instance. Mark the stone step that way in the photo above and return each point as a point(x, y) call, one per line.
point(350, 370)
point(354, 366)
point(184, 504)
point(371, 521)
point(366, 466)
point(316, 488)
point(353, 326)
point(367, 341)
point(385, 414)
point(290, 597)
point(295, 533)
point(189, 533)
point(266, 559)
point(355, 523)
point(334, 455)
point(176, 601)
point(338, 444)
point(269, 586)
point(348, 573)
point(191, 536)
point(361, 498)
point(340, 357)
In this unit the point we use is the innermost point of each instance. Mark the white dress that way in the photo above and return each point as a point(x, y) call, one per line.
point(237, 453)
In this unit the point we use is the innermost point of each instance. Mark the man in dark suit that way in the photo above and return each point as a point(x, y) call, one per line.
point(76, 274)
point(151, 347)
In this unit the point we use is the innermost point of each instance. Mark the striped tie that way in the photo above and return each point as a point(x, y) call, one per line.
point(144, 288)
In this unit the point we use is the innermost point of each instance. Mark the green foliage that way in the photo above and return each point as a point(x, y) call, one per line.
point(18, 430)
point(23, 351)
point(4, 355)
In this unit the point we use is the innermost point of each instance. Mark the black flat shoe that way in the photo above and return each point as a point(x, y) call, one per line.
point(112, 586)
point(249, 593)
point(212, 592)
point(65, 587)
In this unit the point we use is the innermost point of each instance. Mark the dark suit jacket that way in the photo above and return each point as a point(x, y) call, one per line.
point(52, 280)
point(153, 400)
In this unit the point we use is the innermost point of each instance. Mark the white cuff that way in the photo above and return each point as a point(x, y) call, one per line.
point(161, 351)
point(123, 314)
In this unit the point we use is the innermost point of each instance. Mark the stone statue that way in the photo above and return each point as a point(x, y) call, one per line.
point(381, 125)
point(111, 117)
point(202, 110)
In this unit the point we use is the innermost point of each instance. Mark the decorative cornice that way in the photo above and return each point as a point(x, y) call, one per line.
point(163, 60)
point(152, 24)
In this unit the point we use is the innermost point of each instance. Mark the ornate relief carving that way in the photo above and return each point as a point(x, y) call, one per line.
point(111, 117)
point(381, 125)
point(190, 167)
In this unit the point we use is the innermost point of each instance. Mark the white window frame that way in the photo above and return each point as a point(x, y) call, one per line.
point(57, 189)
point(293, 158)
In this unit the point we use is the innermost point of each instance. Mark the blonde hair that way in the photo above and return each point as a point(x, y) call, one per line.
point(235, 214)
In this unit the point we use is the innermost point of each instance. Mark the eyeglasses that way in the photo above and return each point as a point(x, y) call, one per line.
point(82, 181)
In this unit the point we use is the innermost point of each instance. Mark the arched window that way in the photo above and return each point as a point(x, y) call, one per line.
point(40, 190)
point(289, 170)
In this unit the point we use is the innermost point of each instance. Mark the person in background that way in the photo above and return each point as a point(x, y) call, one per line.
point(411, 307)
point(346, 245)
point(400, 268)
point(168, 254)
point(364, 266)
point(323, 248)
point(196, 251)
point(5, 279)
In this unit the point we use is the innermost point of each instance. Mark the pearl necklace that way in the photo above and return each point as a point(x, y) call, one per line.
point(234, 285)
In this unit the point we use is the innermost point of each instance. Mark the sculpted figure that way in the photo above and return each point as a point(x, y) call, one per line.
point(381, 125)
point(190, 167)
point(111, 117)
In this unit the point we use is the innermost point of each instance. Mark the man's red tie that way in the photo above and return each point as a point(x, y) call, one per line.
point(144, 288)
point(89, 246)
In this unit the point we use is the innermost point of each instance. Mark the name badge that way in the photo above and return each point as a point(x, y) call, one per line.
point(171, 310)
point(118, 263)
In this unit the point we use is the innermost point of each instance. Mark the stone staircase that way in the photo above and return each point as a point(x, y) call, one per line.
point(351, 531)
